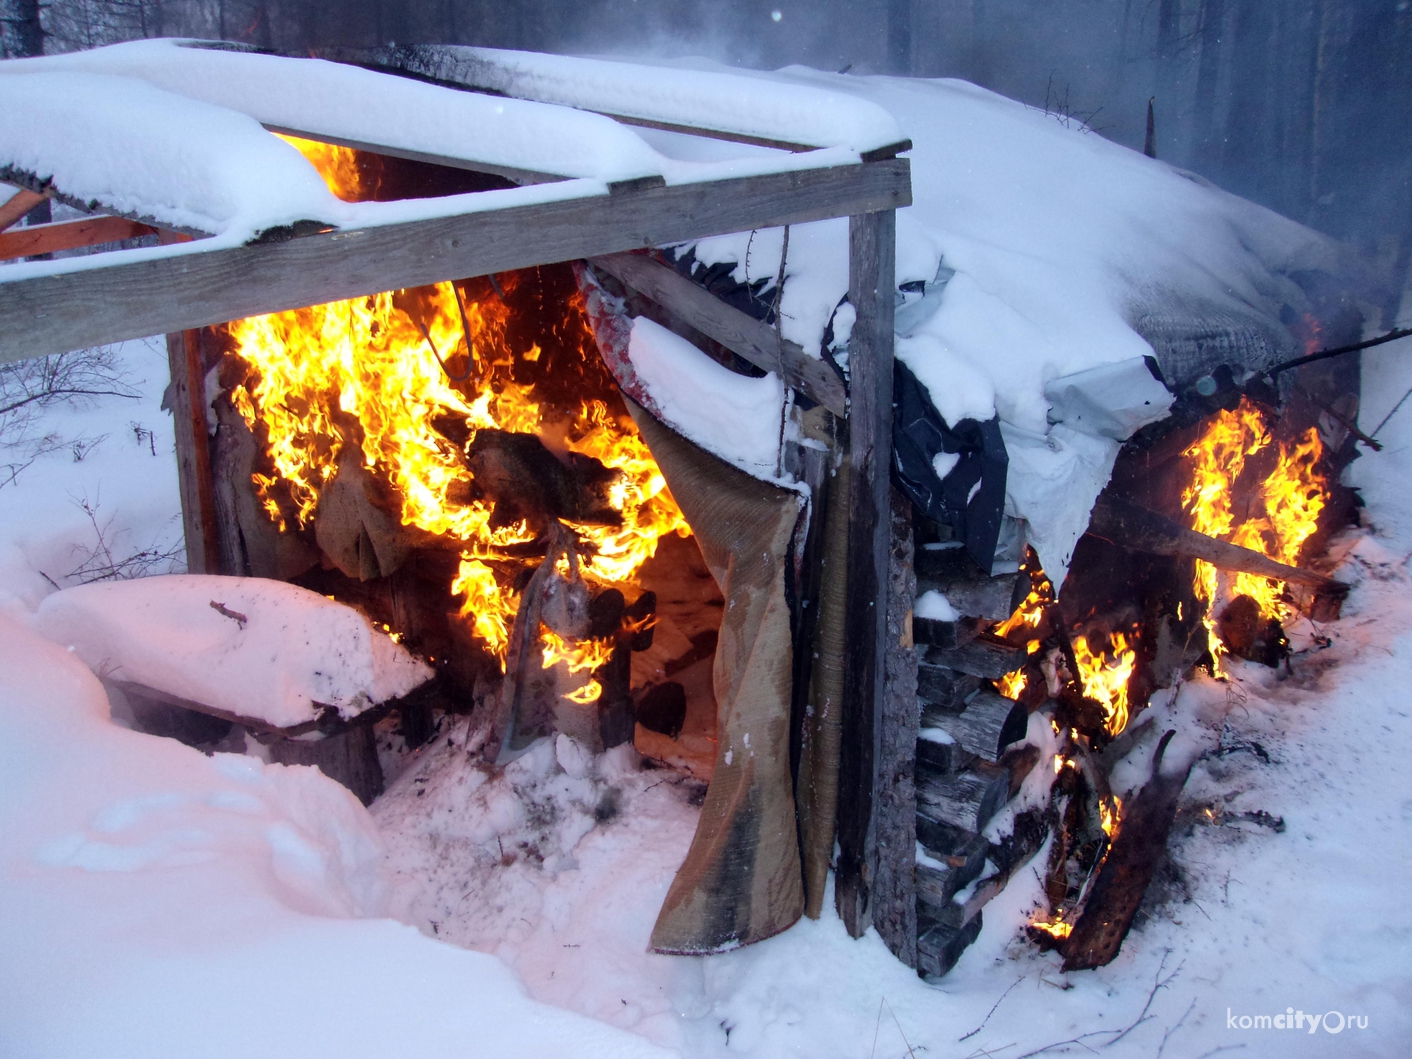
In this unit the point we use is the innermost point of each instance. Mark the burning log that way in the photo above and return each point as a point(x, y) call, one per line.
point(530, 696)
point(1130, 526)
point(1113, 899)
point(362, 536)
point(526, 482)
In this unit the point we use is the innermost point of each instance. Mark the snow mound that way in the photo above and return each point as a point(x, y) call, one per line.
point(162, 902)
point(733, 416)
point(272, 651)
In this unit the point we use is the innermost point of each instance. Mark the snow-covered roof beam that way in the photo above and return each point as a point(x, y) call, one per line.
point(51, 307)
point(729, 106)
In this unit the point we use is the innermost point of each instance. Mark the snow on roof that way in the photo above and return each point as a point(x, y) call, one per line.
point(347, 102)
point(272, 651)
point(139, 150)
point(716, 99)
point(170, 130)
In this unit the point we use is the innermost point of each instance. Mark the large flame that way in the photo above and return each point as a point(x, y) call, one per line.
point(362, 373)
point(1291, 496)
point(374, 373)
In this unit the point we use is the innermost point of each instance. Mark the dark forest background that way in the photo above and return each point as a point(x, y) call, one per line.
point(1302, 105)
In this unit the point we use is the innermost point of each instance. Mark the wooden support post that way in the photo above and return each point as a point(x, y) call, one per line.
point(193, 452)
point(872, 240)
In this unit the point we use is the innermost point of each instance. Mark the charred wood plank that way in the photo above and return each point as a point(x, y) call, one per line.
point(894, 906)
point(1126, 524)
point(942, 689)
point(967, 587)
point(938, 751)
point(1112, 901)
point(193, 454)
point(966, 800)
point(985, 656)
point(938, 882)
point(133, 298)
point(932, 632)
point(987, 725)
point(872, 256)
point(349, 758)
point(940, 946)
point(743, 334)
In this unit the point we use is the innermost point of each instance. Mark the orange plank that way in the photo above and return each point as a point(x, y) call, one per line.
point(17, 206)
point(69, 235)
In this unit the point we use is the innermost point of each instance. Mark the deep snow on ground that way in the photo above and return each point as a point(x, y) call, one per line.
point(161, 902)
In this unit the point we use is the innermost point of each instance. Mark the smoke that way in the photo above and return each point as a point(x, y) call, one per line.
point(1300, 105)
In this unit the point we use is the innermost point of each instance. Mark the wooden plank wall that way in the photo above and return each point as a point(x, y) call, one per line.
point(871, 284)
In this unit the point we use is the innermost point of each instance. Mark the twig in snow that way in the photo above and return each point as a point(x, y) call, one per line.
point(898, 1024)
point(1390, 414)
point(234, 615)
point(1223, 1048)
point(991, 1012)
point(1159, 983)
point(1173, 1029)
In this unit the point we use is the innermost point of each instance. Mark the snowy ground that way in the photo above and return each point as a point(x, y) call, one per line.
point(161, 902)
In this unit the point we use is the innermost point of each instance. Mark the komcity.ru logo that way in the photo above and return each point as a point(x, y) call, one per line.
point(1289, 1019)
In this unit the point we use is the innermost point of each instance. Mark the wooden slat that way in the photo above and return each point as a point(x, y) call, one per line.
point(893, 895)
point(131, 299)
point(737, 331)
point(69, 235)
point(18, 205)
point(193, 453)
point(871, 287)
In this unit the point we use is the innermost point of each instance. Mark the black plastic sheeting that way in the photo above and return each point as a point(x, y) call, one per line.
point(919, 434)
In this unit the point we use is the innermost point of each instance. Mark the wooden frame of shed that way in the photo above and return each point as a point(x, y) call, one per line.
point(116, 298)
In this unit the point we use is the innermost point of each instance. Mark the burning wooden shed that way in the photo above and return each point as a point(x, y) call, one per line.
point(474, 374)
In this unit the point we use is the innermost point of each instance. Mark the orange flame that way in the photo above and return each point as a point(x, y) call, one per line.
point(577, 656)
point(1105, 675)
point(1110, 814)
point(1292, 496)
point(337, 165)
point(1055, 926)
point(1011, 685)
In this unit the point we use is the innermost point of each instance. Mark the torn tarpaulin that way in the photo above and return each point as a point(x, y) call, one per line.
point(970, 497)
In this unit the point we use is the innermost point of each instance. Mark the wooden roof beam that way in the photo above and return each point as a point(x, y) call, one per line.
point(128, 299)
